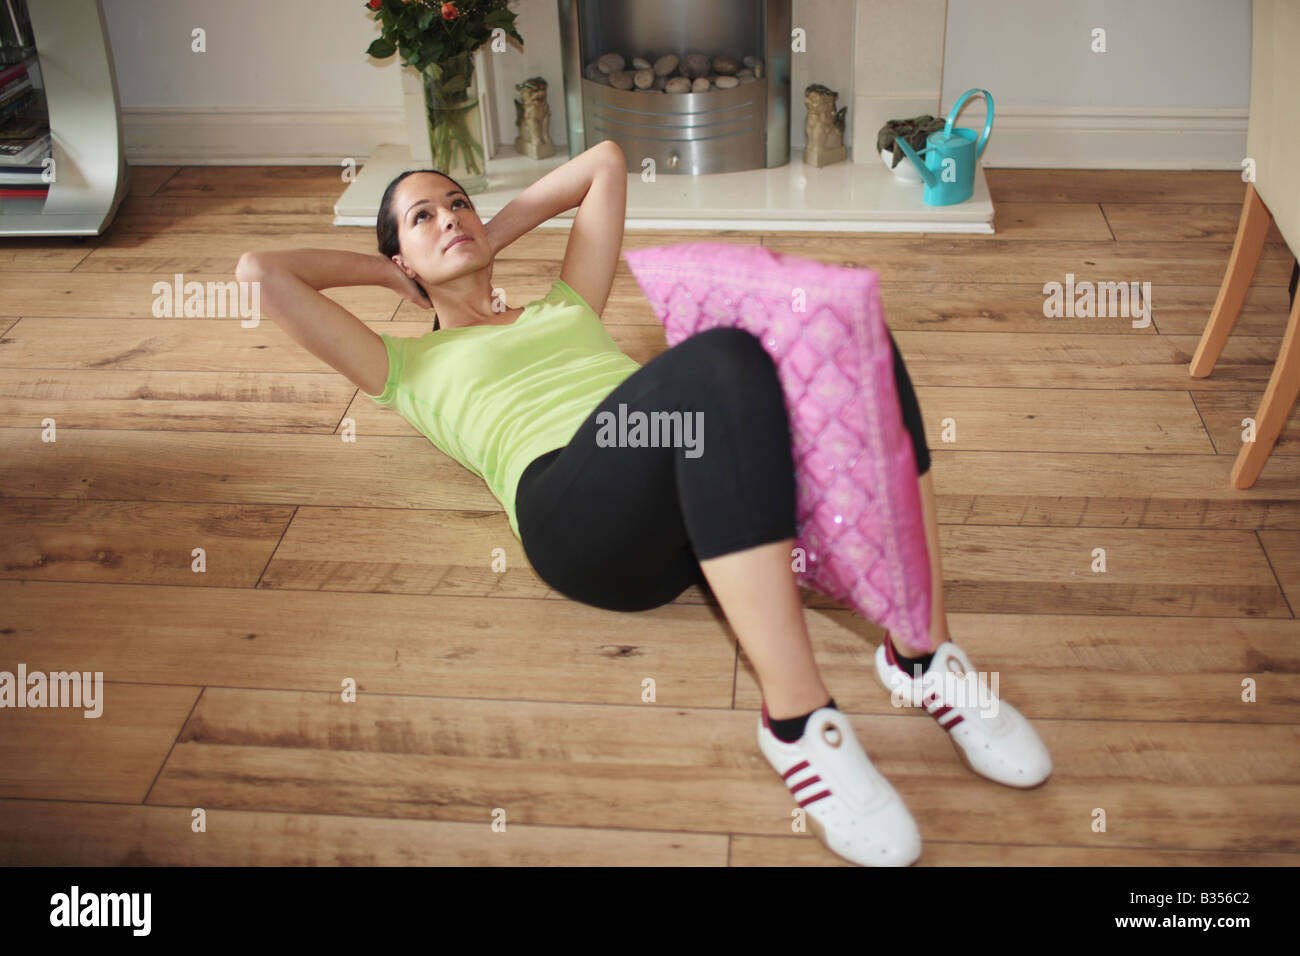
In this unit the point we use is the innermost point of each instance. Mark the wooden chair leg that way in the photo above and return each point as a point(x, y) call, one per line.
point(1252, 229)
point(1279, 398)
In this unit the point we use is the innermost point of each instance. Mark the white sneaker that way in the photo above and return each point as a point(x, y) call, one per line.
point(992, 738)
point(850, 807)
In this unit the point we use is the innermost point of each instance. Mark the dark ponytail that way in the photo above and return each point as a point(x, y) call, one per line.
point(386, 223)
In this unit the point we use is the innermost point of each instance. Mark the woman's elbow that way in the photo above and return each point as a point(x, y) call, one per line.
point(247, 267)
point(614, 151)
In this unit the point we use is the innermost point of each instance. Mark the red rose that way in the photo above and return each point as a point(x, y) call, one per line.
point(374, 4)
point(449, 11)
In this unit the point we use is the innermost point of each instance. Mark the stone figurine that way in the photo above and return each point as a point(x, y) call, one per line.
point(824, 127)
point(533, 119)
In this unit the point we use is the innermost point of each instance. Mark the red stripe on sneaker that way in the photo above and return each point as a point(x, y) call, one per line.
point(815, 798)
point(801, 765)
point(952, 723)
point(807, 783)
point(936, 714)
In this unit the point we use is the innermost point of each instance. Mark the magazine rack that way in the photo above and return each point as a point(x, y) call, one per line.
point(90, 172)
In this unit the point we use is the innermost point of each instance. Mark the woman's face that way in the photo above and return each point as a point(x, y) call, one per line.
point(431, 213)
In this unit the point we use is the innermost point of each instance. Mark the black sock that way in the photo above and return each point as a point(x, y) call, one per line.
point(909, 664)
point(792, 729)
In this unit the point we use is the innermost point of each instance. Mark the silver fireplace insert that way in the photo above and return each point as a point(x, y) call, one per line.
point(698, 86)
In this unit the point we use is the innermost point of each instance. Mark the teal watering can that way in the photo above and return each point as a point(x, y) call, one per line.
point(949, 169)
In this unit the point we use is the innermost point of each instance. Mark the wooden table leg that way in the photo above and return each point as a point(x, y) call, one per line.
point(1252, 229)
point(1279, 398)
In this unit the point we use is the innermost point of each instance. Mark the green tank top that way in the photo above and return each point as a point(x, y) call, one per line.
point(495, 397)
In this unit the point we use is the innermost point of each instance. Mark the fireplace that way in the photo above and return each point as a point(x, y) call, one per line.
point(698, 87)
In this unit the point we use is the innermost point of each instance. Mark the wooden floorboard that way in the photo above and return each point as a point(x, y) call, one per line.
point(421, 645)
point(1214, 222)
point(569, 764)
point(1283, 552)
point(1042, 359)
point(1033, 220)
point(1224, 414)
point(144, 400)
point(111, 750)
point(1115, 185)
point(118, 296)
point(200, 534)
point(147, 180)
point(43, 833)
point(282, 638)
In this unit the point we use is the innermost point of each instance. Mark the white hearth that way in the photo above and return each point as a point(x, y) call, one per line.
point(843, 197)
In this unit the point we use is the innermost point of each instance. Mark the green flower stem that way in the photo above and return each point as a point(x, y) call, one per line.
point(450, 138)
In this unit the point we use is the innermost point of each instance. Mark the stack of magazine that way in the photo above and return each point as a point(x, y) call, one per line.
point(24, 116)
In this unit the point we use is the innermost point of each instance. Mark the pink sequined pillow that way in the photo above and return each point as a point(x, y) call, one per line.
point(858, 508)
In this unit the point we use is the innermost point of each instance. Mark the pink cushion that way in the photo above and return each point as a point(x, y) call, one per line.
point(858, 508)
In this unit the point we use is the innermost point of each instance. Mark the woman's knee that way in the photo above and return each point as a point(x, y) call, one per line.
point(729, 353)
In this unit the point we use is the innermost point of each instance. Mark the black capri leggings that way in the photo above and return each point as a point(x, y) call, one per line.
point(624, 528)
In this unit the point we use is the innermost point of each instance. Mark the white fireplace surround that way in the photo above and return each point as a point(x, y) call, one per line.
point(886, 58)
point(890, 65)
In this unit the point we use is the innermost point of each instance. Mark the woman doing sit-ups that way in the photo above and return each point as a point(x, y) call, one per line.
point(516, 395)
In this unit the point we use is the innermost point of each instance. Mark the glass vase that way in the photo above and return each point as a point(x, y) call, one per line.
point(455, 128)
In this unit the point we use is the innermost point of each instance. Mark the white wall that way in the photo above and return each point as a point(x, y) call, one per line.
point(829, 60)
point(1172, 89)
point(898, 66)
point(285, 81)
point(282, 81)
point(260, 53)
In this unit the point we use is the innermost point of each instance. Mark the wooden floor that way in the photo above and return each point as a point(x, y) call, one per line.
point(480, 692)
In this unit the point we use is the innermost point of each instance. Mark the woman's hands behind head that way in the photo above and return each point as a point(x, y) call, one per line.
point(407, 287)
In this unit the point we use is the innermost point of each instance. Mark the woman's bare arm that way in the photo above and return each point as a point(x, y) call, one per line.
point(596, 238)
point(289, 292)
point(558, 191)
point(328, 268)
